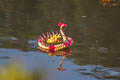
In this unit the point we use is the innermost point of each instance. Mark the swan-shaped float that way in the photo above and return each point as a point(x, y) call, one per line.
point(54, 41)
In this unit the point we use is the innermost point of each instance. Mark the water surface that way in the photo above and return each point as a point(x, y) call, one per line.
point(94, 29)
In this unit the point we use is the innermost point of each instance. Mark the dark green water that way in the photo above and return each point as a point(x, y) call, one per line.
point(95, 30)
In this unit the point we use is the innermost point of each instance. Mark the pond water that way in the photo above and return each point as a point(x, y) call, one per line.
point(95, 30)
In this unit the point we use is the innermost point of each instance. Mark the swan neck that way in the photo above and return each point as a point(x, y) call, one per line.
point(61, 31)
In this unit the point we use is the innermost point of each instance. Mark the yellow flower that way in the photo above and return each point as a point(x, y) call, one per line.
point(50, 40)
point(58, 36)
point(54, 39)
point(54, 36)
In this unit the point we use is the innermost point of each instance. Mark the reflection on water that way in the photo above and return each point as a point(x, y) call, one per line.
point(94, 29)
point(63, 53)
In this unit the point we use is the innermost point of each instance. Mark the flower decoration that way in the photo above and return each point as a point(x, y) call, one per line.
point(60, 24)
point(54, 36)
point(58, 36)
point(65, 44)
point(70, 42)
point(46, 38)
point(51, 47)
point(40, 40)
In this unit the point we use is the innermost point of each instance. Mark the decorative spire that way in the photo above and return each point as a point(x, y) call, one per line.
point(47, 34)
point(44, 35)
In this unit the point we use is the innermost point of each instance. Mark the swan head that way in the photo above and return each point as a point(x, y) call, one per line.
point(60, 24)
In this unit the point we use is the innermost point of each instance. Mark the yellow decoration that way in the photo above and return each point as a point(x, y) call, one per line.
point(54, 39)
point(58, 36)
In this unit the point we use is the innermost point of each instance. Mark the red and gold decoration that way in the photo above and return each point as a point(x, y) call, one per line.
point(54, 41)
point(109, 3)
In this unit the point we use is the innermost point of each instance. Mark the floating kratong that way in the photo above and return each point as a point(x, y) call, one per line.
point(109, 3)
point(54, 41)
